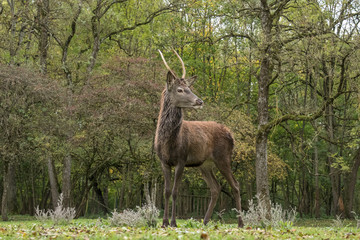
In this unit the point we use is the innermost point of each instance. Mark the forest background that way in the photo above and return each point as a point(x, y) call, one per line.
point(81, 84)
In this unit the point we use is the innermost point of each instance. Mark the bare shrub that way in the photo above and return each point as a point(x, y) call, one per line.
point(150, 213)
point(128, 217)
point(41, 214)
point(256, 216)
point(357, 219)
point(59, 215)
point(338, 222)
point(143, 216)
point(221, 215)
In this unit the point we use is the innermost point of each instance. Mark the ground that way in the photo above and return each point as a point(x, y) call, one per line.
point(27, 228)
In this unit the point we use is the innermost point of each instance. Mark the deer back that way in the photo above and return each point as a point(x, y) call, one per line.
point(205, 140)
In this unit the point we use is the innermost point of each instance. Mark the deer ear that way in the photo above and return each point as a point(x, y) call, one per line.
point(170, 79)
point(190, 81)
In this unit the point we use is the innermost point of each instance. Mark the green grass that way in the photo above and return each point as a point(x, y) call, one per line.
point(25, 227)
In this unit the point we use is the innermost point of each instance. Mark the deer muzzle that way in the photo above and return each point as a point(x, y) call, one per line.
point(198, 103)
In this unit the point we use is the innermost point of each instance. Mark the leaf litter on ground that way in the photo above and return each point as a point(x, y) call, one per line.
point(188, 229)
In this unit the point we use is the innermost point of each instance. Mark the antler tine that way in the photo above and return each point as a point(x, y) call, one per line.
point(182, 64)
point(166, 65)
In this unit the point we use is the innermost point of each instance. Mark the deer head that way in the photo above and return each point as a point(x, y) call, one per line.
point(179, 88)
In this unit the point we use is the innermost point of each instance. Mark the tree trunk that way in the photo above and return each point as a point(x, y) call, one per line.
point(4, 208)
point(334, 172)
point(12, 32)
point(43, 21)
point(350, 185)
point(81, 209)
point(150, 194)
point(8, 201)
point(99, 195)
point(66, 45)
point(316, 154)
point(95, 27)
point(317, 187)
point(147, 192)
point(54, 185)
point(122, 188)
point(66, 185)
point(303, 182)
point(11, 191)
point(262, 181)
point(154, 191)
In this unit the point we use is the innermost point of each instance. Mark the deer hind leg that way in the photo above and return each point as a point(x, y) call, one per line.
point(215, 188)
point(179, 169)
point(167, 182)
point(226, 171)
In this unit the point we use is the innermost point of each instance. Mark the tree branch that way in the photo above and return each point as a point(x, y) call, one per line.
point(296, 117)
point(148, 20)
point(237, 35)
point(109, 6)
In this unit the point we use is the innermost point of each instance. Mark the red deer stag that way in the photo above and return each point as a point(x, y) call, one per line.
point(200, 144)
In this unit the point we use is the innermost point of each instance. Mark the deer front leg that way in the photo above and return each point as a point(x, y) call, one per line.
point(179, 169)
point(167, 182)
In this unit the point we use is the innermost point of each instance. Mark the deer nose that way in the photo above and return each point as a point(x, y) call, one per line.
point(199, 102)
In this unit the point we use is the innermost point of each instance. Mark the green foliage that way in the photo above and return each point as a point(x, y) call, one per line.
point(30, 112)
point(192, 223)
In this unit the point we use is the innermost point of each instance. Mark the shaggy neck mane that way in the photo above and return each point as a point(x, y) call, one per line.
point(170, 119)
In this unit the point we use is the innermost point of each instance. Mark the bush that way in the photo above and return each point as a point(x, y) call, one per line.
point(338, 222)
point(357, 219)
point(256, 215)
point(59, 215)
point(128, 217)
point(143, 216)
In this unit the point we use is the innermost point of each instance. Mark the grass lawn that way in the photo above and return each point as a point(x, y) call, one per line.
point(21, 227)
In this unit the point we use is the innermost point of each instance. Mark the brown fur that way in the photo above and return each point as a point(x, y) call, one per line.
point(201, 144)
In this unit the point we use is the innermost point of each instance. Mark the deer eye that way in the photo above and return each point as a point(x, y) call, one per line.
point(179, 90)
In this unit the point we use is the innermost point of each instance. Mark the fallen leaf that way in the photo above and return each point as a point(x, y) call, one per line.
point(205, 236)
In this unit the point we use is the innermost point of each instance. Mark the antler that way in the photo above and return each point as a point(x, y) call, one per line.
point(166, 65)
point(182, 64)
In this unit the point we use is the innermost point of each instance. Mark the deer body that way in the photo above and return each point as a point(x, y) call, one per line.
point(201, 144)
point(190, 143)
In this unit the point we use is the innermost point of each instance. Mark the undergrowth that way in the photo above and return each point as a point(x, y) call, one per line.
point(187, 229)
point(142, 216)
point(257, 215)
point(61, 214)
